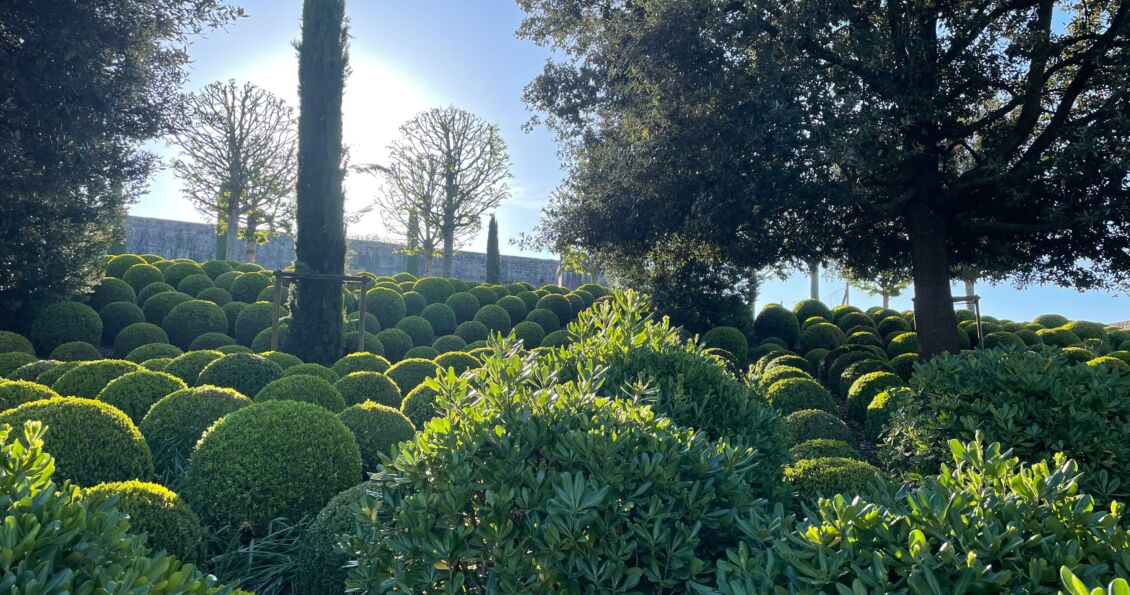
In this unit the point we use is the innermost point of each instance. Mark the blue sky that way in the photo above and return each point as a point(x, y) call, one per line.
point(408, 56)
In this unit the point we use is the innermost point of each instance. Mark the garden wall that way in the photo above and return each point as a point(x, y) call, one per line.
point(182, 239)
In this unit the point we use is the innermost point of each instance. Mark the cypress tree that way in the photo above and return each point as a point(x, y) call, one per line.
point(317, 307)
point(494, 259)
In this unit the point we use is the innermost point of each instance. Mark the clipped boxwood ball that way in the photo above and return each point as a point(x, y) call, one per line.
point(181, 270)
point(175, 423)
point(54, 373)
point(1050, 320)
point(410, 373)
point(210, 341)
point(448, 343)
point(464, 306)
point(360, 362)
point(805, 309)
point(1058, 337)
point(514, 306)
point(75, 351)
point(142, 278)
point(421, 352)
point(188, 366)
point(576, 303)
point(65, 322)
point(216, 295)
point(151, 290)
point(117, 316)
point(150, 351)
point(358, 387)
point(134, 393)
point(822, 335)
point(283, 359)
point(780, 373)
point(248, 286)
point(788, 359)
point(312, 369)
point(434, 289)
point(387, 305)
point(811, 478)
point(87, 379)
point(418, 329)
point(796, 394)
point(371, 345)
point(91, 441)
point(167, 521)
point(849, 322)
point(440, 317)
point(11, 342)
point(730, 340)
point(496, 319)
point(31, 370)
point(372, 325)
point(158, 307)
point(224, 280)
point(420, 406)
point(777, 321)
point(472, 331)
point(396, 343)
point(377, 429)
point(854, 372)
point(226, 349)
point(1113, 363)
point(254, 319)
point(1002, 339)
point(809, 424)
point(414, 303)
point(156, 364)
point(557, 304)
point(321, 567)
point(120, 263)
point(14, 360)
point(308, 389)
point(272, 459)
point(111, 290)
point(484, 295)
point(1078, 354)
point(232, 310)
point(822, 448)
point(194, 284)
point(903, 365)
point(529, 333)
point(903, 343)
point(188, 320)
point(530, 299)
point(559, 338)
point(865, 389)
point(245, 372)
point(18, 392)
point(215, 268)
point(457, 360)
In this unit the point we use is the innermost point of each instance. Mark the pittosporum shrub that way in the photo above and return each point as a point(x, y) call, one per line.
point(134, 393)
point(79, 545)
point(65, 322)
point(1035, 402)
point(810, 424)
point(823, 448)
point(14, 360)
point(410, 373)
point(395, 343)
point(308, 389)
point(777, 321)
point(168, 523)
point(377, 429)
point(150, 351)
point(272, 459)
point(360, 362)
point(174, 424)
point(986, 523)
point(464, 306)
point(418, 329)
point(505, 444)
point(245, 372)
point(358, 387)
point(796, 394)
point(91, 441)
point(89, 378)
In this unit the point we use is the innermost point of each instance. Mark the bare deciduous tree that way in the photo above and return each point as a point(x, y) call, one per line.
point(238, 161)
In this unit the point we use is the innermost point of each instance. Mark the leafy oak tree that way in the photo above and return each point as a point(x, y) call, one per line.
point(83, 84)
point(889, 134)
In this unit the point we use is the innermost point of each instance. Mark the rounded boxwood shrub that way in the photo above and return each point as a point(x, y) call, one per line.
point(387, 305)
point(558, 305)
point(14, 393)
point(1002, 339)
point(435, 289)
point(377, 429)
point(1058, 337)
point(312, 369)
point(829, 476)
point(191, 319)
point(494, 318)
point(576, 303)
point(305, 388)
point(810, 424)
point(529, 333)
point(780, 373)
point(153, 289)
point(448, 343)
point(156, 364)
point(360, 362)
point(903, 343)
point(358, 387)
point(421, 352)
point(514, 306)
point(248, 286)
point(226, 349)
point(464, 306)
point(730, 340)
point(864, 337)
point(54, 373)
point(188, 366)
point(777, 321)
point(64, 322)
point(821, 448)
point(215, 268)
point(559, 338)
point(74, 351)
point(91, 441)
point(174, 424)
point(903, 365)
point(529, 299)
point(414, 303)
point(32, 370)
point(457, 360)
point(787, 359)
point(245, 372)
point(117, 316)
point(1028, 337)
point(210, 341)
point(134, 393)
point(418, 329)
point(805, 309)
point(111, 290)
point(372, 325)
point(11, 342)
point(410, 373)
point(224, 280)
point(254, 319)
point(854, 372)
point(893, 326)
point(87, 379)
point(1078, 354)
point(440, 317)
point(866, 388)
point(472, 331)
point(194, 284)
point(167, 521)
point(215, 295)
point(248, 267)
point(1113, 363)
point(181, 270)
point(395, 342)
point(822, 335)
point(120, 263)
point(484, 295)
point(14, 360)
point(795, 394)
point(158, 307)
point(420, 406)
point(1087, 330)
point(321, 568)
point(267, 295)
point(1050, 320)
point(850, 321)
point(152, 351)
point(237, 478)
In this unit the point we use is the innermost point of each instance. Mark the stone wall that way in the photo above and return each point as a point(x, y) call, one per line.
point(182, 239)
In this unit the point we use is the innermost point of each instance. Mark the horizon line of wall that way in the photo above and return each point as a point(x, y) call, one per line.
point(197, 241)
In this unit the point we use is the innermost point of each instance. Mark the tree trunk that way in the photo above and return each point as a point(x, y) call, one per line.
point(886, 300)
point(221, 244)
point(970, 290)
point(814, 279)
point(448, 227)
point(231, 228)
point(249, 240)
point(752, 291)
point(934, 318)
point(316, 329)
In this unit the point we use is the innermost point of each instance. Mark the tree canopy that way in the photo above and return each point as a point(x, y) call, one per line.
point(913, 136)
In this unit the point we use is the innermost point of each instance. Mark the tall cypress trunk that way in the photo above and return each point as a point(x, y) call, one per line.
point(317, 308)
point(494, 258)
point(935, 320)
